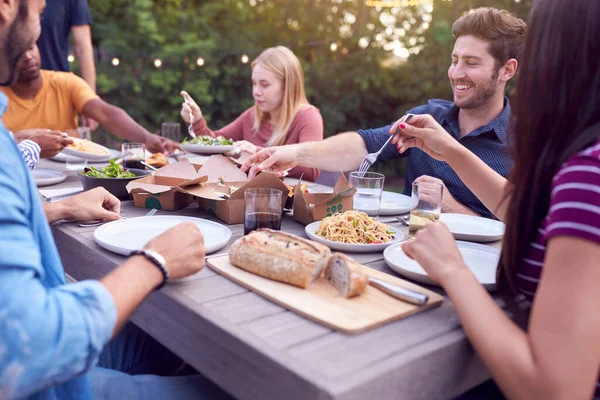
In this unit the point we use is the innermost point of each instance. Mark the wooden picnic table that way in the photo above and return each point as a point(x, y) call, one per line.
point(255, 349)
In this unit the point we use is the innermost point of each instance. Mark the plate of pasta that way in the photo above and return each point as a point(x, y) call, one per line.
point(354, 232)
point(86, 149)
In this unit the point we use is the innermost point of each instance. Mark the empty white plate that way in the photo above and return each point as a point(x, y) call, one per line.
point(352, 248)
point(127, 235)
point(46, 177)
point(395, 204)
point(472, 228)
point(62, 157)
point(201, 149)
point(482, 260)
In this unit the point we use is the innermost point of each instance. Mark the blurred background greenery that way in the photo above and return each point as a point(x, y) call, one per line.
point(364, 66)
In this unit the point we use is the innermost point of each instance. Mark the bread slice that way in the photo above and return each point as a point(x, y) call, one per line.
point(346, 275)
point(280, 256)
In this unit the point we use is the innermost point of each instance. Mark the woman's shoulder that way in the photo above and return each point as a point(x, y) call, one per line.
point(582, 167)
point(308, 112)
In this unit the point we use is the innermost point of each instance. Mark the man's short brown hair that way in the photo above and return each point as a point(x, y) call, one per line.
point(504, 31)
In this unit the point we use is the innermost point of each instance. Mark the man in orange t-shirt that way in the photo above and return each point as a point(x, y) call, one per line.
point(41, 99)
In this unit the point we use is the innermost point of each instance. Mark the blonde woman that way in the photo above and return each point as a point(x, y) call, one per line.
point(281, 113)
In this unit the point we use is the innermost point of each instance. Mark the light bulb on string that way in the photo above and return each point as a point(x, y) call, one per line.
point(200, 61)
point(71, 58)
point(333, 47)
point(115, 61)
point(245, 59)
point(158, 63)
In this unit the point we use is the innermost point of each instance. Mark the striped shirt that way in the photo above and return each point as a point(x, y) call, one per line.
point(30, 151)
point(574, 211)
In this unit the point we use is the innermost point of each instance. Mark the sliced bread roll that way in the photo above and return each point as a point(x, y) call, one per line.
point(280, 256)
point(346, 275)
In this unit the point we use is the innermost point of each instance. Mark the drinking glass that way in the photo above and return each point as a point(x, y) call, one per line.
point(171, 130)
point(133, 155)
point(262, 209)
point(76, 163)
point(369, 188)
point(428, 199)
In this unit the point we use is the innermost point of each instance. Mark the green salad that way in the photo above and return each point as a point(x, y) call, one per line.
point(209, 141)
point(113, 170)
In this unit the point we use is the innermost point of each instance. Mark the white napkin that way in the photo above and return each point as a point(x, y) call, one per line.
point(51, 194)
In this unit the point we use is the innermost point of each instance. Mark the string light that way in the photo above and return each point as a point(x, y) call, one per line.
point(200, 61)
point(245, 59)
point(158, 63)
point(71, 58)
point(116, 61)
point(333, 47)
point(398, 3)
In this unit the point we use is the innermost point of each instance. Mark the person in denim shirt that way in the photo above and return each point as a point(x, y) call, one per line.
point(488, 45)
point(53, 334)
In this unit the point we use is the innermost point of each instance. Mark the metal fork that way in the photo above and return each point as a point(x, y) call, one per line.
point(97, 222)
point(190, 128)
point(372, 157)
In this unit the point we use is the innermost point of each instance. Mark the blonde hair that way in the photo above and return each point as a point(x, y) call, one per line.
point(285, 65)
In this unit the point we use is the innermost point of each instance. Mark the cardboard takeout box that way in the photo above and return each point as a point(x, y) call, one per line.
point(224, 178)
point(311, 207)
point(165, 189)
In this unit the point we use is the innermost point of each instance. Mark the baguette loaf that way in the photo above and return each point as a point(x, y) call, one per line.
point(280, 256)
point(346, 275)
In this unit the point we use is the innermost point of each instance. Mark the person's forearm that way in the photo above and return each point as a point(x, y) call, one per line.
point(344, 151)
point(119, 123)
point(55, 212)
point(85, 55)
point(458, 208)
point(129, 285)
point(502, 345)
point(488, 185)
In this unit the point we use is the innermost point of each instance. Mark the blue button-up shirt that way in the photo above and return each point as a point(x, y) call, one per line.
point(51, 333)
point(488, 142)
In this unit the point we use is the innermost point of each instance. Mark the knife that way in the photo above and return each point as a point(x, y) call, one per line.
point(407, 295)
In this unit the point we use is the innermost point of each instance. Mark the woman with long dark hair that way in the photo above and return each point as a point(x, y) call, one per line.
point(551, 207)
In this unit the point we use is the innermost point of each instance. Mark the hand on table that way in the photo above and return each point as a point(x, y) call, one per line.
point(93, 204)
point(51, 142)
point(183, 249)
point(273, 159)
point(158, 144)
point(434, 248)
point(242, 146)
point(449, 203)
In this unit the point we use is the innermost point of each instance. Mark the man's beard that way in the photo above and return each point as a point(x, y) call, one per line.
point(16, 44)
point(482, 94)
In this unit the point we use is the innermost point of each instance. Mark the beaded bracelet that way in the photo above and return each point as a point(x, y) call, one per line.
point(157, 260)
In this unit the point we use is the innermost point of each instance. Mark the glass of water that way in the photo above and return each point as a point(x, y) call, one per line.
point(428, 199)
point(369, 187)
point(171, 130)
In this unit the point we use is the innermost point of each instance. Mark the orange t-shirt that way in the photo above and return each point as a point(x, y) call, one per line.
point(62, 96)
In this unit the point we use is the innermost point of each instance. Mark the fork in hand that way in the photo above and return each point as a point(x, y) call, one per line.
point(372, 157)
point(190, 128)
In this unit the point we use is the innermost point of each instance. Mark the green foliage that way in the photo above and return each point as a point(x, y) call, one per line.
point(354, 87)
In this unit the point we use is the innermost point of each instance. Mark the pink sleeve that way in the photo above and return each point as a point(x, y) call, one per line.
point(234, 130)
point(309, 128)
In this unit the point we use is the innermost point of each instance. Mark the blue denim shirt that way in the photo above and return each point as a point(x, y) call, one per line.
point(488, 142)
point(51, 333)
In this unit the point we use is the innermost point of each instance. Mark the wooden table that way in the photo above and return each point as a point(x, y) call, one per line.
point(255, 349)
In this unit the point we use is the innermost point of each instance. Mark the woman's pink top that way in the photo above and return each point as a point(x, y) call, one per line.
point(307, 126)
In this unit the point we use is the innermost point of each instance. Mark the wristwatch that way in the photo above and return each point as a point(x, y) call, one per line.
point(158, 261)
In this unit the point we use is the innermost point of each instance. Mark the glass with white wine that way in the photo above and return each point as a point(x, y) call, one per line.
point(428, 199)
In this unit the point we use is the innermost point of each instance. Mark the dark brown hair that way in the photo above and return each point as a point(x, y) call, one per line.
point(504, 31)
point(558, 100)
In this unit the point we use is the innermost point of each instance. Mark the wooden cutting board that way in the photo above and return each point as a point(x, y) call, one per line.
point(322, 303)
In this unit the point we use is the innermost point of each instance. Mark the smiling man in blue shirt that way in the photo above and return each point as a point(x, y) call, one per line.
point(488, 45)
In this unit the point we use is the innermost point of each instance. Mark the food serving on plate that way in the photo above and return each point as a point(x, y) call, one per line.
point(279, 256)
point(86, 146)
point(354, 227)
point(209, 141)
point(157, 160)
point(112, 170)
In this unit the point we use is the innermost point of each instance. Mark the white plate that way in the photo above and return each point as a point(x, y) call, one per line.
point(200, 149)
point(482, 260)
point(472, 228)
point(46, 177)
point(352, 248)
point(395, 204)
point(87, 156)
point(127, 235)
point(62, 157)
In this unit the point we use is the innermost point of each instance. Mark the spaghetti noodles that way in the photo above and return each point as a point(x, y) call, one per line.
point(354, 227)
